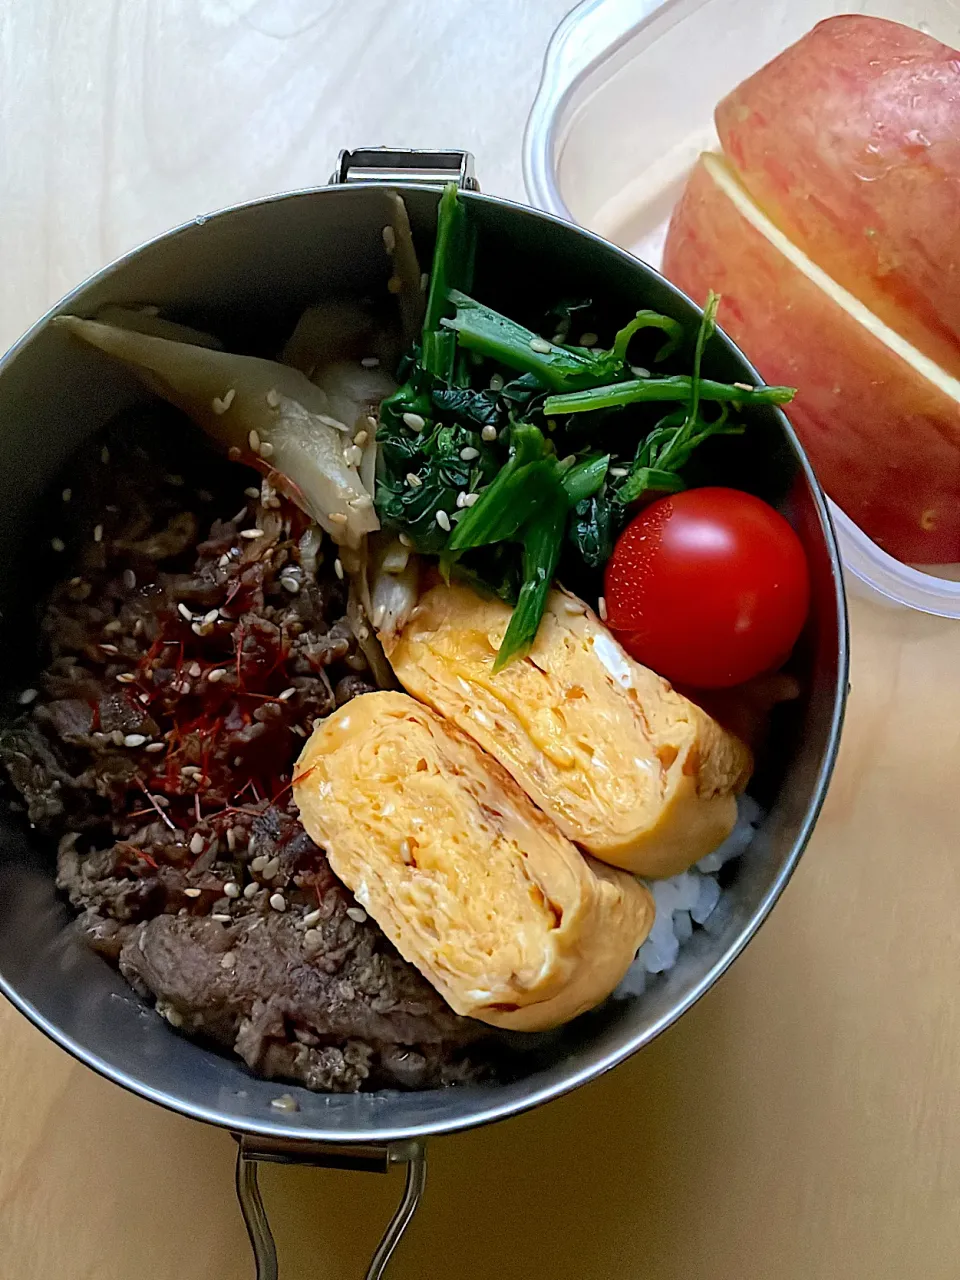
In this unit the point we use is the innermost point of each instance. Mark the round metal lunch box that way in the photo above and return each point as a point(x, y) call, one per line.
point(264, 262)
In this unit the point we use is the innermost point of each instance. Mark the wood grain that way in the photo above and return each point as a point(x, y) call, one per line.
point(799, 1123)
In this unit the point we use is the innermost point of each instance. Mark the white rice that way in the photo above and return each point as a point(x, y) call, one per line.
point(687, 901)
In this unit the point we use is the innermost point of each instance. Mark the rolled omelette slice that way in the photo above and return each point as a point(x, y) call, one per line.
point(468, 880)
point(626, 767)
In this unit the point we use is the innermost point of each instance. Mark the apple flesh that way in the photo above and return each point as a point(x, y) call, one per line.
point(879, 420)
point(850, 142)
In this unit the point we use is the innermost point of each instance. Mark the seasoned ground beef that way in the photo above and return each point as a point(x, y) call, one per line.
point(196, 639)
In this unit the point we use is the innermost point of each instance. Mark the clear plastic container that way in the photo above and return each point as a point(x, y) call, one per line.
point(624, 108)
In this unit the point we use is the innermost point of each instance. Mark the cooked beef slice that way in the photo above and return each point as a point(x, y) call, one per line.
point(182, 677)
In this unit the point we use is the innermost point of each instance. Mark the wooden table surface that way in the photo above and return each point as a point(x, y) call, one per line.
point(801, 1122)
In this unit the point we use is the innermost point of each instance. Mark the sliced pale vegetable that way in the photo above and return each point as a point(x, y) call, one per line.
point(395, 587)
point(265, 414)
point(331, 331)
point(148, 320)
point(406, 269)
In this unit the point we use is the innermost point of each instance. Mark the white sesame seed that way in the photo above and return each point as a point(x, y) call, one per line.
point(488, 433)
point(470, 498)
point(28, 696)
point(287, 694)
point(98, 533)
point(371, 422)
point(154, 748)
point(602, 608)
point(353, 455)
point(223, 561)
point(252, 492)
point(370, 362)
point(212, 616)
point(389, 239)
point(220, 404)
point(191, 893)
point(469, 453)
point(278, 902)
point(394, 284)
point(338, 568)
point(108, 648)
point(496, 382)
point(216, 675)
point(251, 533)
point(116, 737)
point(231, 888)
point(134, 740)
point(75, 582)
point(143, 697)
point(196, 843)
point(273, 400)
point(338, 517)
point(639, 372)
point(266, 449)
point(58, 544)
point(744, 386)
point(184, 612)
point(619, 472)
point(573, 607)
point(290, 584)
point(540, 345)
point(405, 541)
point(311, 918)
point(413, 480)
point(253, 440)
point(588, 339)
point(126, 677)
point(357, 913)
point(195, 668)
point(197, 630)
point(67, 495)
point(424, 281)
point(361, 438)
point(222, 916)
point(271, 868)
point(228, 960)
point(414, 421)
point(104, 455)
point(443, 520)
point(406, 853)
point(129, 579)
point(259, 862)
point(558, 338)
point(234, 453)
point(251, 890)
point(460, 498)
point(286, 1102)
point(173, 1016)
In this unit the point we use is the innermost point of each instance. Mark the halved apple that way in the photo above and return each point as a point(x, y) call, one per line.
point(850, 142)
point(880, 420)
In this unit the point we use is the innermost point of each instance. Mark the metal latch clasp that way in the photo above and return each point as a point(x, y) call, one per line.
point(397, 164)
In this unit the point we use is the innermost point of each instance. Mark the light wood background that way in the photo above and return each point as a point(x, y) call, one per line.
point(800, 1123)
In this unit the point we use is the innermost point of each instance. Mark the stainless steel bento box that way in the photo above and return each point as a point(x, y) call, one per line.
point(265, 262)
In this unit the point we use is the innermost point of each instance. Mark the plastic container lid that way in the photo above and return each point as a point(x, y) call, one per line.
point(624, 108)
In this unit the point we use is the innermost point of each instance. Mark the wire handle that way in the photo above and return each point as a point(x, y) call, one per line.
point(251, 1151)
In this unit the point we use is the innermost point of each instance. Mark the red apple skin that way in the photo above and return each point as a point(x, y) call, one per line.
point(883, 438)
point(850, 142)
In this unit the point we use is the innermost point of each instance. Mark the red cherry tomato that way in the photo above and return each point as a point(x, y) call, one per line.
point(708, 587)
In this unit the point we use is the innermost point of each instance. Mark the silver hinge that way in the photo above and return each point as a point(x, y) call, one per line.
point(368, 1159)
point(392, 164)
